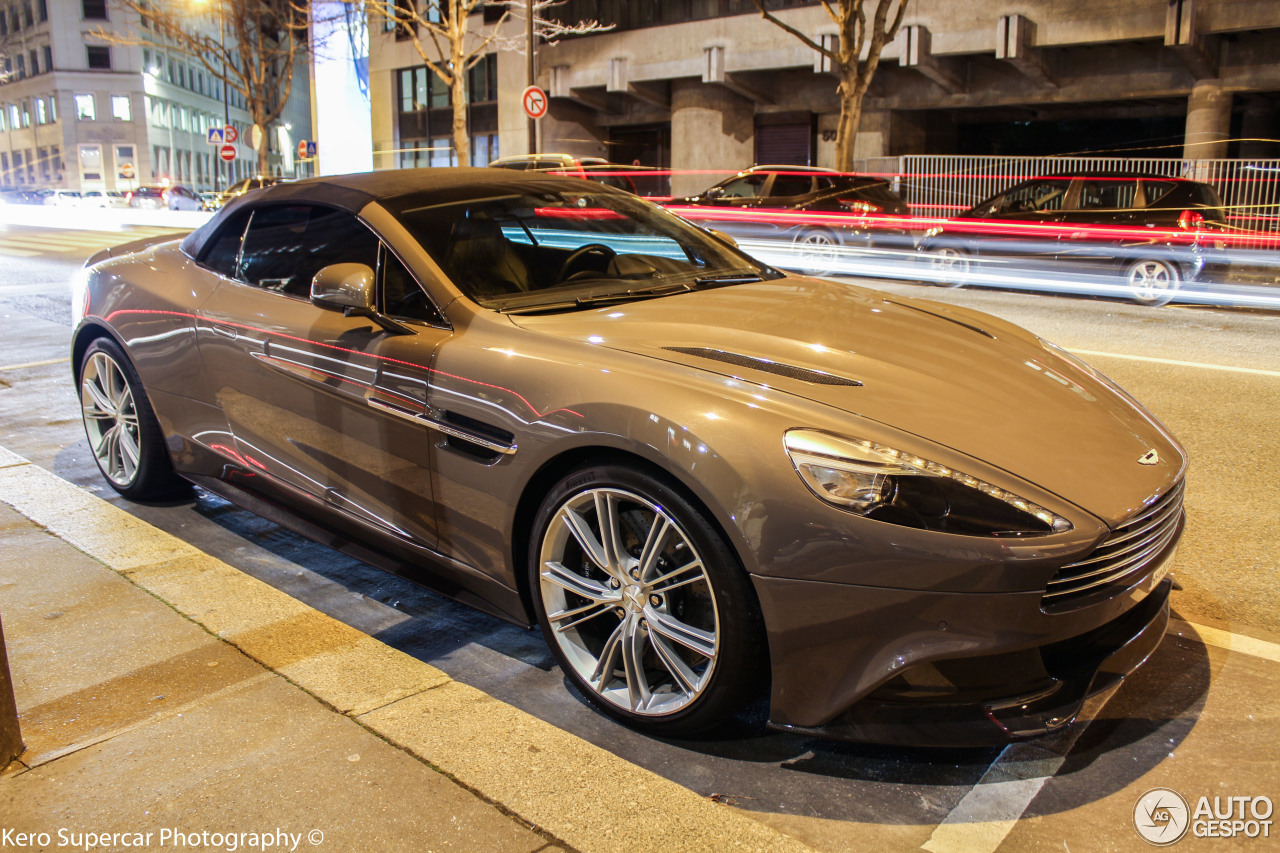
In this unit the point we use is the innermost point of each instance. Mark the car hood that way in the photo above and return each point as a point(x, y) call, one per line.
point(958, 378)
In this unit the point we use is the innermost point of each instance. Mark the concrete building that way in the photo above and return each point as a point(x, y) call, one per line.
point(81, 114)
point(708, 84)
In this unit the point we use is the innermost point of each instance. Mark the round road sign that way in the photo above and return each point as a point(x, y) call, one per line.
point(230, 134)
point(227, 152)
point(534, 101)
point(126, 170)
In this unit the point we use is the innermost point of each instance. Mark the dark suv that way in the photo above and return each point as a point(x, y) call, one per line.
point(1146, 233)
point(819, 211)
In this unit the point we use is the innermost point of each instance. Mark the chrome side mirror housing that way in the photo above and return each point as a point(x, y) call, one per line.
point(344, 287)
point(723, 236)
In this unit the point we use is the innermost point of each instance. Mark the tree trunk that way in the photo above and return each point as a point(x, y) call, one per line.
point(262, 152)
point(850, 117)
point(461, 141)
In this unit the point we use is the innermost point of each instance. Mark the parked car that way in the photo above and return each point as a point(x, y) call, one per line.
point(17, 196)
point(703, 478)
point(592, 168)
point(820, 212)
point(239, 188)
point(63, 198)
point(175, 197)
point(1146, 234)
point(100, 198)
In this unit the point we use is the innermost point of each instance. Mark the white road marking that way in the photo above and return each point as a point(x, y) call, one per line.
point(1229, 641)
point(1254, 371)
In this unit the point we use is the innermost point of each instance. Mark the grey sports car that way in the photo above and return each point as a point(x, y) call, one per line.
point(705, 480)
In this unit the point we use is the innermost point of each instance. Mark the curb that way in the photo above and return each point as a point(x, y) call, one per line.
point(577, 792)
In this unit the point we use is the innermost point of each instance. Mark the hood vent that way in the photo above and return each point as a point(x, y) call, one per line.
point(790, 371)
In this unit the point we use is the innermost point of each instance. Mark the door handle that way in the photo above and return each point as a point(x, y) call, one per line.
point(225, 331)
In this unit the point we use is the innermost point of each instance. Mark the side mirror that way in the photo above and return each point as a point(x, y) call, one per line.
point(714, 192)
point(720, 235)
point(344, 287)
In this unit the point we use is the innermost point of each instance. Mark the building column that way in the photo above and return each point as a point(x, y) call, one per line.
point(1208, 121)
point(711, 128)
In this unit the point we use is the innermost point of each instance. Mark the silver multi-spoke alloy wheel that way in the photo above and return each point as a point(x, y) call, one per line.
point(818, 252)
point(950, 267)
point(110, 419)
point(1153, 282)
point(629, 601)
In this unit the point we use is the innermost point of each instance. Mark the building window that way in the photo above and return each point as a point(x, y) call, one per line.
point(94, 10)
point(4, 23)
point(91, 162)
point(48, 58)
point(26, 114)
point(35, 63)
point(482, 80)
point(99, 57)
point(42, 157)
point(42, 9)
point(42, 117)
point(120, 110)
point(22, 66)
point(19, 174)
point(85, 108)
point(28, 20)
point(124, 157)
point(13, 117)
point(484, 149)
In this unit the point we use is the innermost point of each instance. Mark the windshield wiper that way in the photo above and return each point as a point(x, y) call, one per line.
point(593, 300)
point(729, 278)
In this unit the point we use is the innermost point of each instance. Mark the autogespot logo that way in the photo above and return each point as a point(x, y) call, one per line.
point(1161, 816)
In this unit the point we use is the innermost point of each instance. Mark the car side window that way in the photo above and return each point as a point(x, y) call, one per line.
point(222, 253)
point(748, 186)
point(1033, 197)
point(286, 245)
point(788, 185)
point(401, 294)
point(1107, 195)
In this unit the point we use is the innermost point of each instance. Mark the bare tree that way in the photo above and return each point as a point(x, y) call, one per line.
point(450, 42)
point(251, 46)
point(855, 73)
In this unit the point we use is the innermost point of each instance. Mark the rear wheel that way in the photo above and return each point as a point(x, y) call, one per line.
point(122, 429)
point(643, 603)
point(1153, 281)
point(817, 251)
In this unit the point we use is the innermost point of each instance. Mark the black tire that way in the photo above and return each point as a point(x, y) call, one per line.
point(121, 427)
point(598, 616)
point(1153, 281)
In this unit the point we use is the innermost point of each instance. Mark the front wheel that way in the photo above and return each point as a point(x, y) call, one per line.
point(124, 435)
point(1153, 282)
point(947, 266)
point(643, 603)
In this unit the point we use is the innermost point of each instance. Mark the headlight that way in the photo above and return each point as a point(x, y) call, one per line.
point(886, 484)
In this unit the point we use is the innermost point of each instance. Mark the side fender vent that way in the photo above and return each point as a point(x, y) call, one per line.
point(778, 368)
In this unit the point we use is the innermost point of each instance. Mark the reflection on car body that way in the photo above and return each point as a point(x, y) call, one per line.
point(1151, 232)
point(703, 479)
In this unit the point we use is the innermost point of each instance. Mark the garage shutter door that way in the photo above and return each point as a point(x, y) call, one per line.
point(784, 144)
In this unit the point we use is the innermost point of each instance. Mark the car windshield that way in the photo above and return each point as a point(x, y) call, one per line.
point(521, 249)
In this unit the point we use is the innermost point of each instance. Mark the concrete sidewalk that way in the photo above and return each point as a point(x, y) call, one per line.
point(137, 720)
point(162, 691)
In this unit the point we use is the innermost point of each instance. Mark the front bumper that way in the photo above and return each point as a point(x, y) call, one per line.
point(935, 668)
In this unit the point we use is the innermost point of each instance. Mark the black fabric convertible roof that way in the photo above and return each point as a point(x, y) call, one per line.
point(353, 192)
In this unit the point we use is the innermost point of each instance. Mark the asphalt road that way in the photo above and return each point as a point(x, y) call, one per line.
point(1196, 718)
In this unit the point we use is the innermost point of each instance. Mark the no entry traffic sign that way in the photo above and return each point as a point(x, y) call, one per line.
point(534, 101)
point(227, 152)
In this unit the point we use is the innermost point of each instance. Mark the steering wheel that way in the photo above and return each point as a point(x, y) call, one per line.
point(581, 252)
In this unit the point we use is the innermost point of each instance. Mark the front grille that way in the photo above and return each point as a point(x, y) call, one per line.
point(792, 371)
point(1122, 558)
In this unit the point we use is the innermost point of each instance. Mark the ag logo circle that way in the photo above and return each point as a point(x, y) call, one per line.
point(1161, 816)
